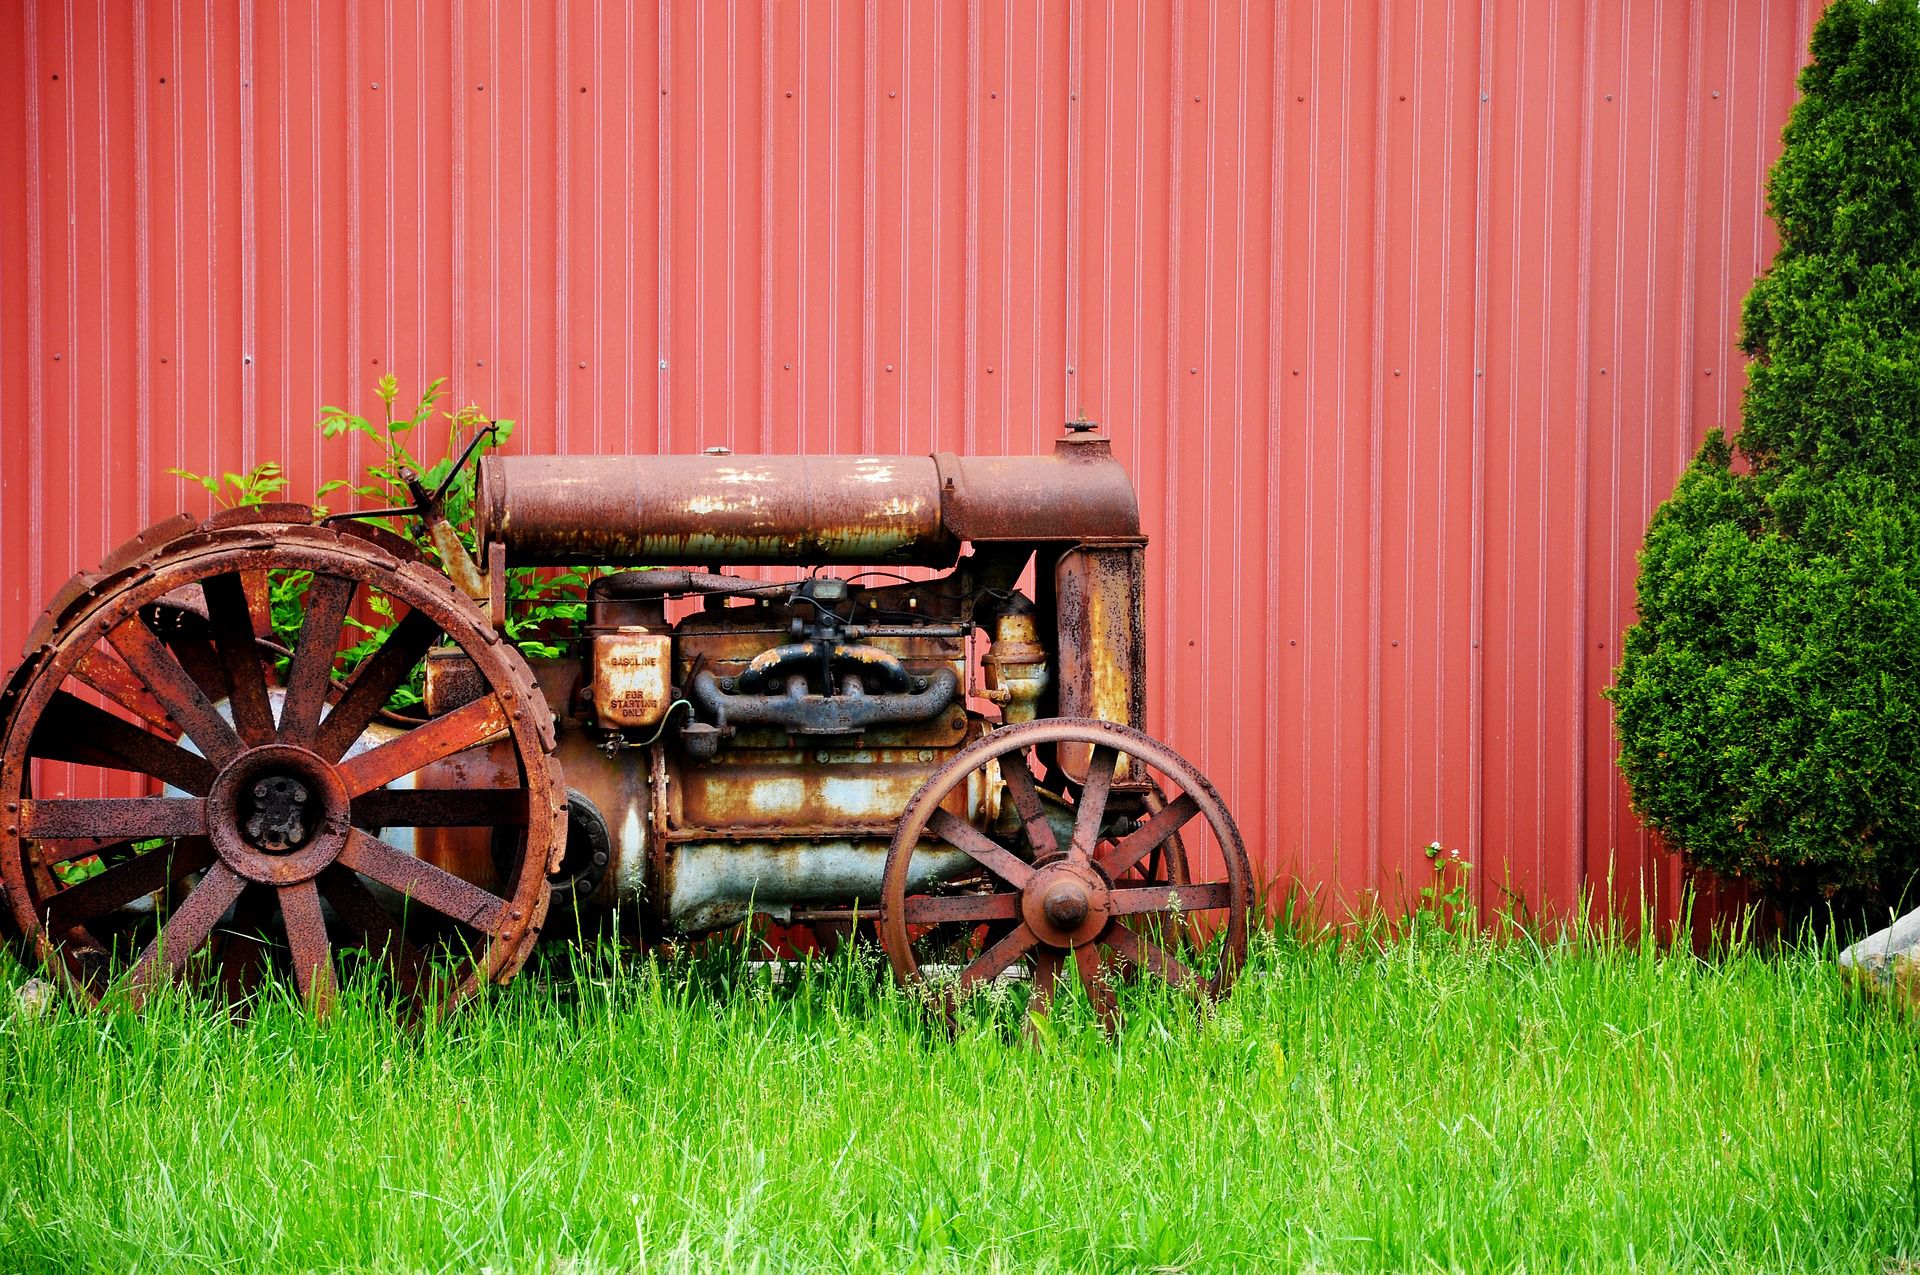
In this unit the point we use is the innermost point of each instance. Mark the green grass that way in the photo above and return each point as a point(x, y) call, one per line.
point(1427, 1105)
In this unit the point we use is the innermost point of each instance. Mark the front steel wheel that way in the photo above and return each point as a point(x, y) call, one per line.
point(1107, 873)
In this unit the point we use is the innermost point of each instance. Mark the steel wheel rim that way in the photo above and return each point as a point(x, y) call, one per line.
point(336, 861)
point(1063, 909)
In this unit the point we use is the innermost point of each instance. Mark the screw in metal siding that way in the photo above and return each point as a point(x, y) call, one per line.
point(663, 365)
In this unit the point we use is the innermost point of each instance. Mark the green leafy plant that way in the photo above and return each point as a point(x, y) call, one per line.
point(254, 487)
point(427, 440)
point(1769, 696)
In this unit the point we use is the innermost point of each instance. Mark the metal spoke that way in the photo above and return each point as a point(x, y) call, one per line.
point(72, 730)
point(383, 671)
point(310, 675)
point(382, 934)
point(992, 856)
point(1026, 800)
point(169, 683)
point(1148, 955)
point(1136, 845)
point(122, 818)
point(307, 938)
point(934, 909)
point(441, 808)
point(239, 656)
point(1091, 809)
point(1093, 977)
point(122, 883)
point(464, 727)
point(107, 675)
point(1171, 898)
point(186, 930)
point(988, 965)
point(422, 881)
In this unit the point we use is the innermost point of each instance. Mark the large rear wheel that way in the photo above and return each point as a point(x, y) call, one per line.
point(183, 796)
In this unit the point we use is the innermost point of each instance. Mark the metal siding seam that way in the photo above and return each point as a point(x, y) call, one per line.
point(249, 246)
point(1176, 214)
point(934, 248)
point(1690, 220)
point(284, 228)
point(354, 360)
point(389, 335)
point(457, 64)
point(1276, 349)
point(1543, 474)
point(663, 200)
point(1036, 270)
point(629, 209)
point(601, 356)
point(1076, 36)
point(1209, 239)
point(1615, 607)
point(702, 287)
point(1582, 434)
point(869, 224)
point(1310, 522)
point(36, 501)
point(1376, 460)
point(1342, 291)
point(834, 427)
point(732, 244)
point(970, 391)
point(562, 237)
point(1130, 447)
point(1137, 326)
point(104, 177)
point(421, 284)
point(1476, 666)
point(143, 272)
point(1236, 584)
point(1005, 245)
point(70, 334)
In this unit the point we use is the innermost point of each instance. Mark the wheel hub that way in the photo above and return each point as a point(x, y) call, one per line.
point(281, 813)
point(278, 814)
point(1066, 904)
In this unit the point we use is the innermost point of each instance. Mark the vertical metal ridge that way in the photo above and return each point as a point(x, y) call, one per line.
point(457, 197)
point(37, 586)
point(869, 226)
point(1477, 535)
point(1582, 435)
point(1208, 241)
point(1176, 217)
point(970, 393)
point(143, 274)
point(1236, 581)
point(663, 212)
point(563, 352)
point(1276, 358)
point(1377, 441)
point(249, 245)
point(1076, 52)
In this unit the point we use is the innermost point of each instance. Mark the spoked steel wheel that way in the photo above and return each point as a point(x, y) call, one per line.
point(252, 811)
point(1138, 868)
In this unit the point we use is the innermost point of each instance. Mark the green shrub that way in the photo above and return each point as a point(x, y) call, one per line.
point(1768, 702)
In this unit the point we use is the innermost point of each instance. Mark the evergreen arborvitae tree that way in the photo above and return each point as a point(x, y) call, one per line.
point(1768, 702)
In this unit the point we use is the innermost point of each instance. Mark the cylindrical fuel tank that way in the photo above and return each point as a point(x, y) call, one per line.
point(758, 510)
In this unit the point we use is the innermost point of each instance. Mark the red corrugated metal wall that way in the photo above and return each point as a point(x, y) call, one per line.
point(1404, 315)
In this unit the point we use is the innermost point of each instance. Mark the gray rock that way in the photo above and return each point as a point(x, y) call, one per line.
point(1888, 959)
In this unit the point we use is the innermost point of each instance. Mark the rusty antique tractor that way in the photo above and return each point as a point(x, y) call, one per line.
point(913, 741)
